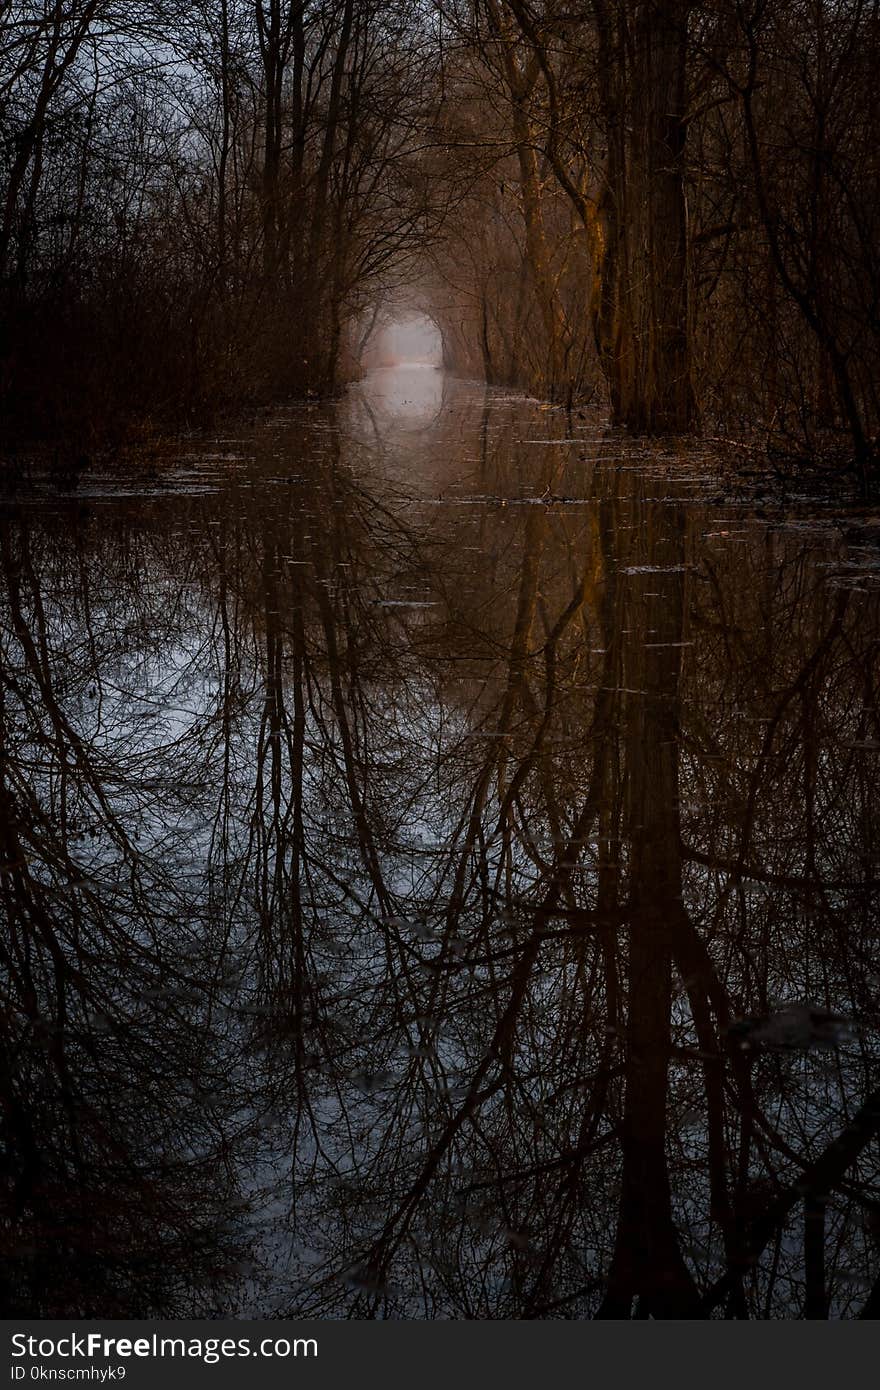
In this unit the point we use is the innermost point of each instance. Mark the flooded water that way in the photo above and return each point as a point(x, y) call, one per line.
point(439, 867)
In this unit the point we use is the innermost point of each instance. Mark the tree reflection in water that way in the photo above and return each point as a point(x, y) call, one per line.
point(395, 834)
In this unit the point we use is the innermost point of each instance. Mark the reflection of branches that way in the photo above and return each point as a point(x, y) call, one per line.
point(417, 895)
point(94, 991)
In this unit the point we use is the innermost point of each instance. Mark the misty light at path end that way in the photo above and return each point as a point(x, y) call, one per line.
point(411, 341)
point(403, 385)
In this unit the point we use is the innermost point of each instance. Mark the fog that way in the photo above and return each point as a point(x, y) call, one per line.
point(408, 341)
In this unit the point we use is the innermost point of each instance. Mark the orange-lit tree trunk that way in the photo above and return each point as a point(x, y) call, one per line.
point(650, 383)
point(637, 226)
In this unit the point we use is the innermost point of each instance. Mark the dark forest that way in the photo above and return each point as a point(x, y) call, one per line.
point(439, 679)
point(669, 208)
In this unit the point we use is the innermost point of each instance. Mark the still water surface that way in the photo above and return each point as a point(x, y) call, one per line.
point(439, 875)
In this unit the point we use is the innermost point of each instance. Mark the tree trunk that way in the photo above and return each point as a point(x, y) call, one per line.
point(641, 306)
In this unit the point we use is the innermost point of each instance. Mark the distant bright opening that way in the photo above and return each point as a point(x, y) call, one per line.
point(413, 341)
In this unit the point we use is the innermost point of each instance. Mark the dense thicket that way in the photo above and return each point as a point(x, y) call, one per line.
point(671, 206)
point(197, 198)
point(711, 172)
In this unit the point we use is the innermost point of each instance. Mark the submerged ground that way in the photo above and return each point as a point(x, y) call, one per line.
point(439, 854)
